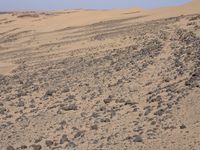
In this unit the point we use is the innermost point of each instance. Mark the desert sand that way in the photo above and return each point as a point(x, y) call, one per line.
point(121, 79)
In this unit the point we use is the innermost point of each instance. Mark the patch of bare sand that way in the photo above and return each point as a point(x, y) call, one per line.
point(6, 68)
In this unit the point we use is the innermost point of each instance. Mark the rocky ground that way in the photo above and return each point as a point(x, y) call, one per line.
point(115, 84)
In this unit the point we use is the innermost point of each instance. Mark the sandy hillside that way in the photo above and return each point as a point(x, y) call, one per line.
point(123, 79)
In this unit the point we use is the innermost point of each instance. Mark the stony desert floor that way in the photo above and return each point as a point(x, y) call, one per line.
point(88, 80)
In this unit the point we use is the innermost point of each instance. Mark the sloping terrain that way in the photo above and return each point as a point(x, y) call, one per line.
point(126, 83)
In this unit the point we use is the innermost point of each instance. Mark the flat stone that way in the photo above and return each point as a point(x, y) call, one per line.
point(49, 143)
point(182, 126)
point(10, 148)
point(64, 139)
point(37, 147)
point(69, 107)
point(135, 138)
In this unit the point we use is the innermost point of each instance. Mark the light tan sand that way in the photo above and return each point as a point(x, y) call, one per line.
point(6, 68)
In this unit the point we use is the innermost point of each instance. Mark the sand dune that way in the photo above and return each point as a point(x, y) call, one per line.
point(186, 9)
point(100, 79)
point(69, 18)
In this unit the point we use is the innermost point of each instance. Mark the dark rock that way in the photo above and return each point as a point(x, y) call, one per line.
point(21, 93)
point(49, 93)
point(20, 103)
point(79, 134)
point(49, 143)
point(135, 109)
point(66, 89)
point(64, 139)
point(157, 99)
point(94, 127)
point(95, 115)
point(105, 120)
point(159, 104)
point(2, 110)
point(167, 79)
point(148, 111)
point(32, 106)
point(23, 121)
point(182, 126)
point(10, 148)
point(37, 147)
point(69, 107)
point(63, 123)
point(135, 138)
point(112, 112)
point(192, 82)
point(188, 37)
point(188, 83)
point(194, 18)
point(160, 112)
point(23, 147)
point(153, 122)
point(169, 105)
point(129, 102)
point(107, 100)
point(70, 98)
point(102, 108)
point(191, 23)
point(71, 145)
point(38, 140)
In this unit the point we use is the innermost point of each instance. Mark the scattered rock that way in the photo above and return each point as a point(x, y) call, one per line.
point(94, 127)
point(10, 148)
point(1, 104)
point(49, 93)
point(71, 145)
point(147, 111)
point(23, 147)
point(194, 18)
point(70, 98)
point(39, 139)
point(49, 143)
point(66, 89)
point(69, 107)
point(105, 120)
point(119, 72)
point(37, 147)
point(23, 121)
point(2, 110)
point(160, 112)
point(129, 102)
point(135, 138)
point(20, 103)
point(182, 126)
point(153, 122)
point(64, 139)
point(79, 134)
point(63, 123)
point(107, 100)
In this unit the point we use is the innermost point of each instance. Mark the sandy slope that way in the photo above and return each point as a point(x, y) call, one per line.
point(96, 79)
